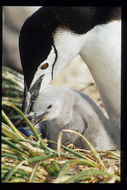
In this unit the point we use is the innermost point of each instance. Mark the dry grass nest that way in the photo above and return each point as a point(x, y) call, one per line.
point(30, 160)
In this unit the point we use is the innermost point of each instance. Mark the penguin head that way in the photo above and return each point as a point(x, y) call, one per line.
point(49, 104)
point(46, 45)
point(54, 103)
point(38, 55)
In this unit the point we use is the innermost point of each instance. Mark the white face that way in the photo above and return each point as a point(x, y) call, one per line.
point(48, 101)
point(46, 69)
point(67, 46)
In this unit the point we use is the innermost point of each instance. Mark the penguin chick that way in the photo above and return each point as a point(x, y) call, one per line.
point(63, 108)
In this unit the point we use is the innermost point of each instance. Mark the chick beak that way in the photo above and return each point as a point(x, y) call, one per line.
point(37, 119)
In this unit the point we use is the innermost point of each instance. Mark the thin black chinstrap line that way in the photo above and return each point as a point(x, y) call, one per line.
point(54, 60)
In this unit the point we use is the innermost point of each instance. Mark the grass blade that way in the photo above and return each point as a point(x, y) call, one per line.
point(13, 156)
point(71, 163)
point(13, 170)
point(57, 168)
point(11, 125)
point(33, 175)
point(40, 158)
point(4, 140)
point(88, 173)
point(49, 169)
point(88, 143)
point(12, 135)
point(69, 150)
point(28, 123)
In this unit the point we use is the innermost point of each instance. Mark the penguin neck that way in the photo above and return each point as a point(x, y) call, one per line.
point(100, 48)
point(68, 46)
point(73, 28)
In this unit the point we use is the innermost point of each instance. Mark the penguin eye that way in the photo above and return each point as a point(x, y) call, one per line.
point(45, 66)
point(49, 106)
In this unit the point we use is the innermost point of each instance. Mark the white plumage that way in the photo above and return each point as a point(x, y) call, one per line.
point(64, 108)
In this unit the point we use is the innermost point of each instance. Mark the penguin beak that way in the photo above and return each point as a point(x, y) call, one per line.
point(36, 119)
point(31, 95)
point(26, 100)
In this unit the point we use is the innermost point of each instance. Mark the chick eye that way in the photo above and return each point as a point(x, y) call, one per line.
point(49, 106)
point(45, 66)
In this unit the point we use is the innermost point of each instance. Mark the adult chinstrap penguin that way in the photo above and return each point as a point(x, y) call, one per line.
point(52, 36)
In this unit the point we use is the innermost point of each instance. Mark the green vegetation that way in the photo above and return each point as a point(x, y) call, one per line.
point(30, 160)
